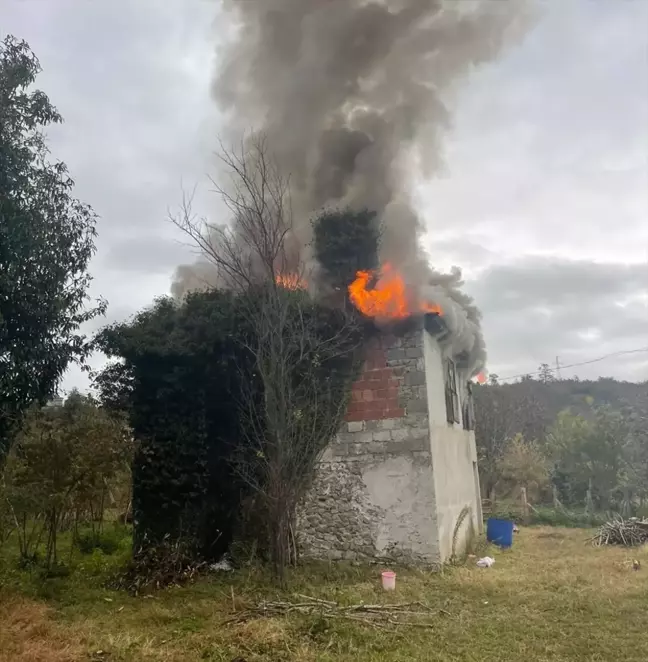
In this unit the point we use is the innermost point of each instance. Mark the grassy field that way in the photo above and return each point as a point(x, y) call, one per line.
point(553, 597)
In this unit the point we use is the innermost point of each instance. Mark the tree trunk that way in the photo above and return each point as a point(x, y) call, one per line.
point(280, 544)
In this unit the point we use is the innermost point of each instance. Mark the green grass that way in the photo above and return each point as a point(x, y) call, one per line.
point(548, 516)
point(553, 597)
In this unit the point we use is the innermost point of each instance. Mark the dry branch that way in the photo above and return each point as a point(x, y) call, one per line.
point(304, 355)
point(410, 614)
point(628, 533)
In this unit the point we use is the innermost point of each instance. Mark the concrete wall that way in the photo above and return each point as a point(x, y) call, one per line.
point(395, 479)
point(454, 459)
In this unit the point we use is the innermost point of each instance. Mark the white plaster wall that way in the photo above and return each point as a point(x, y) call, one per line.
point(454, 460)
point(402, 488)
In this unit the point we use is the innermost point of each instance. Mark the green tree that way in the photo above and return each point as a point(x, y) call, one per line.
point(523, 465)
point(60, 469)
point(545, 373)
point(177, 373)
point(589, 454)
point(634, 473)
point(345, 242)
point(503, 411)
point(46, 241)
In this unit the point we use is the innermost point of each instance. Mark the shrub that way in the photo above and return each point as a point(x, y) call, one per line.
point(108, 541)
point(551, 517)
point(171, 562)
point(572, 519)
point(180, 390)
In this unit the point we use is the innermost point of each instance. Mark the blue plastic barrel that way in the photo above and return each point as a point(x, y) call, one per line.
point(500, 532)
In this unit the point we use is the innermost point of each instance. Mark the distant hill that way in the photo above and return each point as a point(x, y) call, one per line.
point(533, 405)
point(559, 394)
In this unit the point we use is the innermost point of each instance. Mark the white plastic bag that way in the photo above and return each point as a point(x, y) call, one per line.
point(224, 565)
point(485, 562)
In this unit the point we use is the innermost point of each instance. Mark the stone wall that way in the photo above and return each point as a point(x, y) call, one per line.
point(373, 496)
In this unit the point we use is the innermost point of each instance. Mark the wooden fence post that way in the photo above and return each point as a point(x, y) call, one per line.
point(525, 503)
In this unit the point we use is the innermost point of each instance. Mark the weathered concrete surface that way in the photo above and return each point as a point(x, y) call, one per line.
point(397, 476)
point(454, 460)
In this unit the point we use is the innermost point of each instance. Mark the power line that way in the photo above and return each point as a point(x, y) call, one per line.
point(575, 365)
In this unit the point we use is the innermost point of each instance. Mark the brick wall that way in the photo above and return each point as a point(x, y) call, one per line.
point(375, 396)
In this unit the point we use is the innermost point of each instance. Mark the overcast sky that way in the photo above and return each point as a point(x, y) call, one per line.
point(543, 201)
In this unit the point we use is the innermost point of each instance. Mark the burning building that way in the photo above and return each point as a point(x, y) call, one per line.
point(400, 479)
point(353, 101)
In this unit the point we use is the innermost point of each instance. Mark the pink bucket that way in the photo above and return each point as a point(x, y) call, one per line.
point(389, 581)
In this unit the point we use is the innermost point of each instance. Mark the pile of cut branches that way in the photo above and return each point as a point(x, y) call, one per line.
point(627, 532)
point(412, 614)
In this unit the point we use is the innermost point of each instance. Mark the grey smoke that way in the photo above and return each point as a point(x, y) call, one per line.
point(353, 98)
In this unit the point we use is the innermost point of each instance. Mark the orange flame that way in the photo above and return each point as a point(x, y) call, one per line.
point(388, 298)
point(481, 377)
point(290, 282)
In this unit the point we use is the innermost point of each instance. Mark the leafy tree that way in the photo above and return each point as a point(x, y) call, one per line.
point(345, 242)
point(589, 454)
point(523, 465)
point(60, 468)
point(46, 241)
point(604, 419)
point(545, 373)
point(634, 473)
point(178, 376)
point(503, 411)
point(494, 427)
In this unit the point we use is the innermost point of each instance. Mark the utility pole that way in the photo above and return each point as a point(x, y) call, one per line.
point(558, 375)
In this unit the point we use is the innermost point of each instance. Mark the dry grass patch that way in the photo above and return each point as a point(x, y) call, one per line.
point(552, 598)
point(27, 634)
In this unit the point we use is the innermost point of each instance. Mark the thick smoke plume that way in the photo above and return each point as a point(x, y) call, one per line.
point(352, 96)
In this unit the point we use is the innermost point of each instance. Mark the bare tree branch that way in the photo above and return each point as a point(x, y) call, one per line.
point(304, 355)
